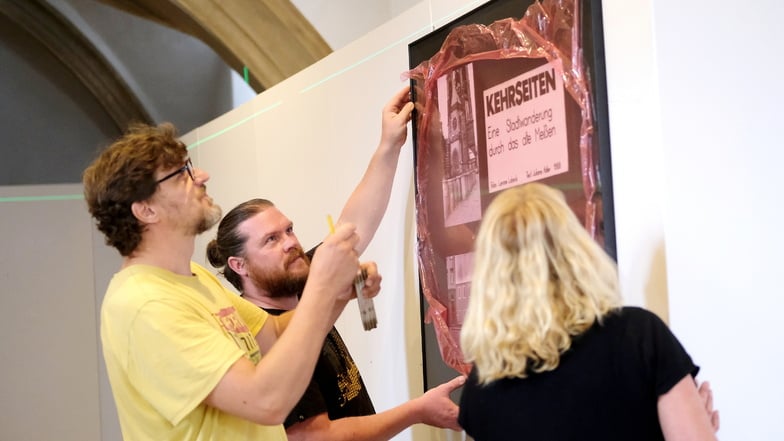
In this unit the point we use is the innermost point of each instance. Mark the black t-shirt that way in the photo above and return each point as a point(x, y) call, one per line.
point(336, 387)
point(606, 387)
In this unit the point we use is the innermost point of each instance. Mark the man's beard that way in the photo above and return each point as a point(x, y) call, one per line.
point(210, 218)
point(281, 284)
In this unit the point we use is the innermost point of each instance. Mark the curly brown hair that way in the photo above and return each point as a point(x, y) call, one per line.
point(124, 173)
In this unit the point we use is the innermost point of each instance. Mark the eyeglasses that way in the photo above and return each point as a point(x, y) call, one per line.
point(188, 167)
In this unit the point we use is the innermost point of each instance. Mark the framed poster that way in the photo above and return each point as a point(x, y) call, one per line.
point(510, 93)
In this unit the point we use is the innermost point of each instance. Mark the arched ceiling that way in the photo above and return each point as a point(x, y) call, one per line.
point(266, 40)
point(269, 37)
point(67, 44)
point(75, 73)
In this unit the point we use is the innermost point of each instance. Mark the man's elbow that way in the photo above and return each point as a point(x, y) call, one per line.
point(269, 414)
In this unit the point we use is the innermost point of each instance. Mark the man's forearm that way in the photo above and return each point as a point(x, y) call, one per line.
point(366, 206)
point(379, 427)
point(286, 368)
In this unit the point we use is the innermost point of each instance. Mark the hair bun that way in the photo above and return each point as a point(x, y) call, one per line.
point(214, 255)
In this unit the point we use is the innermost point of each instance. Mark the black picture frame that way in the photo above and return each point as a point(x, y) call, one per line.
point(435, 370)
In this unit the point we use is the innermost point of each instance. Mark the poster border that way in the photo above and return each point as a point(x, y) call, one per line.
point(428, 45)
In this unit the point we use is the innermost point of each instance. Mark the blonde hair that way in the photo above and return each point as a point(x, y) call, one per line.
point(539, 280)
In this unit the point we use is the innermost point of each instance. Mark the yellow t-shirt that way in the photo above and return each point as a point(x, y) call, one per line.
point(167, 341)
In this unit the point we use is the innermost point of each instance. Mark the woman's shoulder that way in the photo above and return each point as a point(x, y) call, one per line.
point(633, 318)
point(634, 313)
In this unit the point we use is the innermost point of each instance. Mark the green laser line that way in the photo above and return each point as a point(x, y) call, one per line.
point(363, 60)
point(64, 197)
point(246, 75)
point(235, 125)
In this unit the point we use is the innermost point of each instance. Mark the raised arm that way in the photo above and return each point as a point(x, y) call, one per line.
point(265, 393)
point(368, 202)
point(433, 408)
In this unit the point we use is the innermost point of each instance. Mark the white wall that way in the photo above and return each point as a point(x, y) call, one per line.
point(694, 103)
point(693, 94)
point(341, 21)
point(723, 217)
point(48, 340)
point(693, 151)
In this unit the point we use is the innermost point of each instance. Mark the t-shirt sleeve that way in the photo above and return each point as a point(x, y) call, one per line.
point(665, 359)
point(253, 316)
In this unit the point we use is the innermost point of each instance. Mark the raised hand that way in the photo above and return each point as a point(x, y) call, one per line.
point(372, 280)
point(395, 117)
point(335, 263)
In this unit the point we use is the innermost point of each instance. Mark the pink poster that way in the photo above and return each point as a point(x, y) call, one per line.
point(525, 128)
point(498, 106)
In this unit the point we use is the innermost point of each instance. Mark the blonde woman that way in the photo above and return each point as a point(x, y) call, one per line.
point(556, 356)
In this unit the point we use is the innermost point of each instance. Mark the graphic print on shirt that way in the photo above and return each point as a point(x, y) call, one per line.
point(239, 332)
point(348, 376)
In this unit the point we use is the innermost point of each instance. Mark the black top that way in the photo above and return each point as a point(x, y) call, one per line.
point(336, 387)
point(606, 387)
